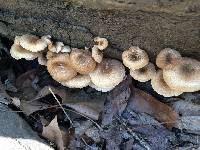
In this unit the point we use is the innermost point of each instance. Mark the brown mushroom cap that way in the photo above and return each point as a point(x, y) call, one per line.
point(184, 76)
point(79, 81)
point(144, 74)
point(102, 43)
point(82, 61)
point(97, 55)
point(108, 73)
point(33, 43)
point(135, 58)
point(161, 87)
point(59, 68)
point(166, 58)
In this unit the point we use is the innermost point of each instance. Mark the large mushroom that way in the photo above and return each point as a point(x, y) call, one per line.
point(135, 58)
point(184, 76)
point(161, 87)
point(82, 61)
point(108, 74)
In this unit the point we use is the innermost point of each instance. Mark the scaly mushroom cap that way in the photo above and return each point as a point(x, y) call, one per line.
point(166, 58)
point(144, 74)
point(19, 52)
point(97, 55)
point(161, 87)
point(184, 76)
point(102, 43)
point(79, 81)
point(59, 68)
point(92, 85)
point(108, 73)
point(33, 43)
point(135, 58)
point(82, 61)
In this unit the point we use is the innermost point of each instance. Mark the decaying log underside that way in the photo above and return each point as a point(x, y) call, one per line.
point(152, 24)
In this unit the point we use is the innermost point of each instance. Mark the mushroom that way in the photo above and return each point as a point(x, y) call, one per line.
point(19, 52)
point(161, 87)
point(42, 60)
point(135, 58)
point(82, 61)
point(167, 57)
point(33, 43)
point(60, 69)
point(97, 55)
point(92, 85)
point(50, 54)
point(55, 48)
point(108, 73)
point(144, 74)
point(184, 76)
point(102, 43)
point(79, 81)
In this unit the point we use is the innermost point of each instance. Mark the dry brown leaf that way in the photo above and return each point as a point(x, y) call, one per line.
point(145, 103)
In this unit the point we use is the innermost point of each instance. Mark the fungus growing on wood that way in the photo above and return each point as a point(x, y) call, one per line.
point(135, 58)
point(60, 69)
point(161, 87)
point(82, 61)
point(167, 57)
point(145, 73)
point(184, 76)
point(97, 55)
point(108, 73)
point(102, 43)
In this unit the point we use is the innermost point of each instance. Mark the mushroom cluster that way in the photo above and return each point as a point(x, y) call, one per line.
point(176, 74)
point(71, 67)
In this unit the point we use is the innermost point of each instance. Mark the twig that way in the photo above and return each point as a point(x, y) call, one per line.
point(61, 106)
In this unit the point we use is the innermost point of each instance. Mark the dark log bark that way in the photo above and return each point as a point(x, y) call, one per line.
point(152, 24)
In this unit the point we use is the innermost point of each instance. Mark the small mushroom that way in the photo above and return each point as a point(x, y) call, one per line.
point(184, 76)
point(33, 43)
point(167, 57)
point(50, 54)
point(97, 55)
point(82, 61)
point(60, 69)
point(108, 73)
point(19, 52)
point(135, 58)
point(55, 48)
point(66, 49)
point(42, 60)
point(92, 85)
point(79, 81)
point(145, 73)
point(161, 87)
point(102, 43)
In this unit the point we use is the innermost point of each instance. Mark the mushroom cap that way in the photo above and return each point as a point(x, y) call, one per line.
point(167, 57)
point(56, 48)
point(184, 76)
point(102, 43)
point(42, 60)
point(50, 54)
point(33, 43)
point(59, 68)
point(66, 49)
point(144, 74)
point(108, 73)
point(79, 81)
point(135, 58)
point(82, 61)
point(97, 55)
point(92, 85)
point(161, 87)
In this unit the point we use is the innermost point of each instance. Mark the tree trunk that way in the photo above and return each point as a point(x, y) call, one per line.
point(149, 24)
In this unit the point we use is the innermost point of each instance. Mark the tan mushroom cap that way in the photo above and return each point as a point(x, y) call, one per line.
point(97, 55)
point(144, 74)
point(92, 85)
point(59, 68)
point(19, 52)
point(79, 81)
point(184, 76)
point(102, 43)
point(33, 43)
point(161, 87)
point(135, 58)
point(108, 73)
point(82, 61)
point(166, 58)
point(50, 54)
